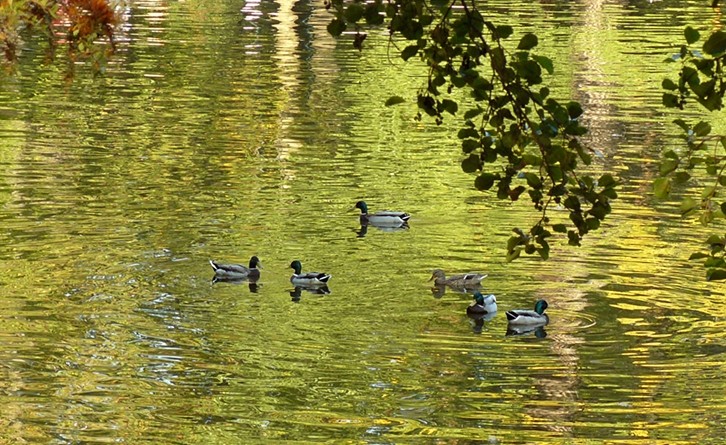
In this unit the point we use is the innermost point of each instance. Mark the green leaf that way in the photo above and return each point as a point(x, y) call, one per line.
point(336, 27)
point(450, 106)
point(504, 31)
point(715, 240)
point(671, 100)
point(474, 112)
point(662, 188)
point(708, 191)
point(688, 206)
point(670, 154)
point(559, 228)
point(716, 44)
point(684, 126)
point(544, 252)
point(723, 207)
point(514, 254)
point(533, 180)
point(468, 133)
point(531, 159)
point(471, 164)
point(469, 145)
point(716, 274)
point(574, 110)
point(698, 256)
point(668, 84)
point(606, 180)
point(409, 52)
point(354, 12)
point(485, 181)
point(667, 166)
point(394, 100)
point(546, 63)
point(702, 129)
point(573, 238)
point(373, 16)
point(692, 35)
point(527, 42)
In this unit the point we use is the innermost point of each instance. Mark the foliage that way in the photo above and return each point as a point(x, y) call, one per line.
point(77, 23)
point(700, 81)
point(514, 135)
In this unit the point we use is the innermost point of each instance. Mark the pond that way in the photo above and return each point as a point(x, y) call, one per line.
point(226, 129)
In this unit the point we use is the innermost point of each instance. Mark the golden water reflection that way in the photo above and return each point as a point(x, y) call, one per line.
point(225, 130)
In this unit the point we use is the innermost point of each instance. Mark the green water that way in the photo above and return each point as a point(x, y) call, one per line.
point(228, 129)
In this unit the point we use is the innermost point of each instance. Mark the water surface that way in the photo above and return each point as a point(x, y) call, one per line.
point(228, 129)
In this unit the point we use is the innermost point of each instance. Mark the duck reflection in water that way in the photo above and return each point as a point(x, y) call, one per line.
point(539, 331)
point(439, 290)
point(364, 229)
point(296, 293)
point(477, 321)
point(252, 284)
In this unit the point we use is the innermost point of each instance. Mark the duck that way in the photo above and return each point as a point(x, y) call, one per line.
point(237, 271)
point(482, 304)
point(381, 219)
point(309, 278)
point(472, 279)
point(525, 317)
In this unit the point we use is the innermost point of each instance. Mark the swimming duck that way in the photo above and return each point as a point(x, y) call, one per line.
point(309, 278)
point(482, 304)
point(527, 317)
point(238, 271)
point(381, 219)
point(471, 279)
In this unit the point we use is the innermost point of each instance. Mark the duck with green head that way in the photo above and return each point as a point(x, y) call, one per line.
point(469, 280)
point(482, 304)
point(381, 219)
point(299, 278)
point(525, 317)
point(237, 271)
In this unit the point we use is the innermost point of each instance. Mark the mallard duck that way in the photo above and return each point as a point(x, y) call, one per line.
point(482, 304)
point(381, 219)
point(468, 280)
point(524, 317)
point(309, 278)
point(238, 271)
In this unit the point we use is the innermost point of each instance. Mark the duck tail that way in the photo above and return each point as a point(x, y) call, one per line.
point(214, 265)
point(511, 315)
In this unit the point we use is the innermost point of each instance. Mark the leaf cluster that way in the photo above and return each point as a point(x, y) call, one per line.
point(516, 138)
point(700, 81)
point(79, 23)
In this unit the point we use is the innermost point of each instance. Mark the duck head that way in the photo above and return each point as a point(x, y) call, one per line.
point(485, 300)
point(362, 206)
point(437, 274)
point(296, 266)
point(255, 263)
point(540, 306)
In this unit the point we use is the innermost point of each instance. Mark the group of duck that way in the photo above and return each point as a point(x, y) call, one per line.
point(483, 305)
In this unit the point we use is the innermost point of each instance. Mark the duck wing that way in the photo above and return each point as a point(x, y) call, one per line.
point(233, 268)
point(523, 314)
